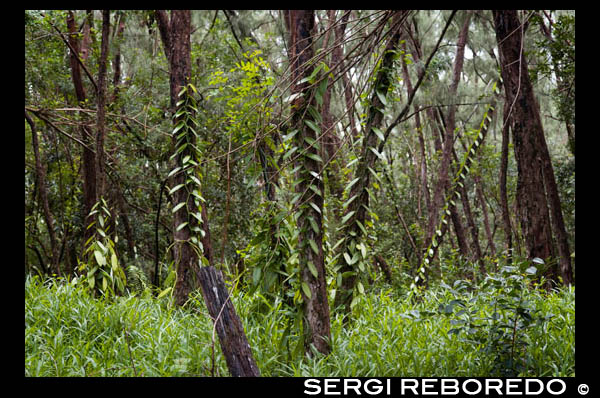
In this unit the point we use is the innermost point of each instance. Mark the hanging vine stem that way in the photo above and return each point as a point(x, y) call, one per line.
point(463, 170)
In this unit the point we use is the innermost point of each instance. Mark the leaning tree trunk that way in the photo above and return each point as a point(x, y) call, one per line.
point(535, 174)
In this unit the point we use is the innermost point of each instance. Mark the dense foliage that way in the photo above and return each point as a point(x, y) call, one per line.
point(360, 171)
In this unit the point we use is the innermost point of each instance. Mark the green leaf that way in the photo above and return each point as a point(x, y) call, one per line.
point(347, 216)
point(175, 189)
point(351, 183)
point(312, 125)
point(256, 274)
point(164, 292)
point(381, 97)
point(312, 268)
point(531, 270)
point(179, 206)
point(181, 226)
point(314, 206)
point(175, 170)
point(361, 288)
point(313, 224)
point(315, 190)
point(379, 133)
point(349, 201)
point(306, 290)
point(178, 127)
point(379, 155)
point(313, 246)
point(314, 157)
point(289, 153)
point(114, 261)
point(99, 258)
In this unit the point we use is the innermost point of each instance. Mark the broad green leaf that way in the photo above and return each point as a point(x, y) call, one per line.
point(349, 201)
point(306, 290)
point(347, 216)
point(175, 189)
point(313, 224)
point(361, 288)
point(351, 183)
point(381, 97)
point(313, 246)
point(348, 259)
point(256, 274)
point(312, 125)
point(181, 226)
point(379, 133)
point(178, 127)
point(179, 206)
point(312, 269)
point(175, 170)
point(99, 258)
point(114, 261)
point(315, 190)
point(314, 157)
point(314, 206)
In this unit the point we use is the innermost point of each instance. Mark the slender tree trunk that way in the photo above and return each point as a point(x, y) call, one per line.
point(484, 212)
point(40, 172)
point(356, 211)
point(301, 28)
point(101, 107)
point(503, 193)
point(175, 32)
point(117, 58)
point(533, 161)
point(443, 182)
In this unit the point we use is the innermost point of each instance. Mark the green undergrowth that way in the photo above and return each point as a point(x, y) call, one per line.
point(486, 330)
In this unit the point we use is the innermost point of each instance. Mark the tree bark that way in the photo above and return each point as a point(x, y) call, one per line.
point(443, 181)
point(503, 194)
point(89, 158)
point(535, 174)
point(175, 32)
point(101, 107)
point(228, 325)
point(316, 318)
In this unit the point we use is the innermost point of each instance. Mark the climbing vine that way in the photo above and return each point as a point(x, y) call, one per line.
point(454, 192)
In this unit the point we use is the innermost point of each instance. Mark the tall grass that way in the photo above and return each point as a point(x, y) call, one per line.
point(69, 333)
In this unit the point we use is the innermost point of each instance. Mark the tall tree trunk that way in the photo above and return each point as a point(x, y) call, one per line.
point(89, 158)
point(533, 160)
point(356, 211)
point(484, 212)
point(175, 32)
point(120, 20)
point(316, 318)
point(101, 107)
